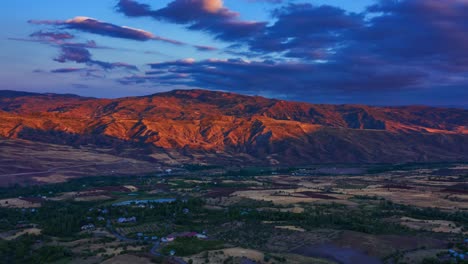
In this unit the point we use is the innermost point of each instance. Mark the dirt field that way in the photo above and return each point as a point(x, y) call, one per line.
point(18, 203)
point(292, 196)
point(239, 255)
point(422, 197)
point(419, 188)
point(432, 225)
point(126, 258)
point(26, 162)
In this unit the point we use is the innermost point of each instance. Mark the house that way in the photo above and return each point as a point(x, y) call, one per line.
point(100, 218)
point(154, 238)
point(201, 236)
point(170, 238)
point(88, 227)
point(127, 220)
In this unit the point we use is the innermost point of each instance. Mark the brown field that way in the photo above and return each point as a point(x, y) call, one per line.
point(241, 254)
point(296, 209)
point(412, 188)
point(25, 162)
point(126, 258)
point(432, 225)
point(292, 196)
point(19, 203)
point(145, 228)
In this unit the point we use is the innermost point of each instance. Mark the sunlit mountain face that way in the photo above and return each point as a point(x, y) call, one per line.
point(405, 52)
point(199, 126)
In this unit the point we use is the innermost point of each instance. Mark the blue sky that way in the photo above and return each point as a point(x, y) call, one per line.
point(335, 51)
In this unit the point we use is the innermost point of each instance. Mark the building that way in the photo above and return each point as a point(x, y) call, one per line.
point(88, 227)
point(201, 236)
point(126, 220)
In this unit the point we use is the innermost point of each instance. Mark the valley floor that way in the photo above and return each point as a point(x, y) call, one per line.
point(413, 213)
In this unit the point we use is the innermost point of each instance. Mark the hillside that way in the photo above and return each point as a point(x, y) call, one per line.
point(225, 128)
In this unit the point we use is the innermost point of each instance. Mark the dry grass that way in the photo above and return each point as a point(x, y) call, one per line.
point(117, 251)
point(295, 210)
point(432, 225)
point(289, 196)
point(15, 234)
point(18, 203)
point(92, 198)
point(421, 197)
point(238, 253)
point(26, 162)
point(125, 259)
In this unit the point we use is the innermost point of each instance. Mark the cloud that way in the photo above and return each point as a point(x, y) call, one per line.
point(428, 33)
point(52, 36)
point(300, 30)
point(60, 39)
point(394, 47)
point(75, 54)
point(205, 15)
point(80, 54)
point(306, 31)
point(91, 25)
point(67, 70)
point(204, 48)
point(85, 72)
point(114, 65)
point(298, 80)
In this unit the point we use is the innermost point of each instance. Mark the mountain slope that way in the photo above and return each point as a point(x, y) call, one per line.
point(218, 127)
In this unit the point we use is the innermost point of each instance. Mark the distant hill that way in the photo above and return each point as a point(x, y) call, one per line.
point(226, 128)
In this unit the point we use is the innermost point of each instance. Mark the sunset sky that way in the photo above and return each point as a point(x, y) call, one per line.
point(320, 51)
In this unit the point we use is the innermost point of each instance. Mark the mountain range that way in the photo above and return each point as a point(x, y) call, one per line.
point(201, 126)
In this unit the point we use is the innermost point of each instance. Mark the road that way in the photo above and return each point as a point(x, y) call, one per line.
point(154, 249)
